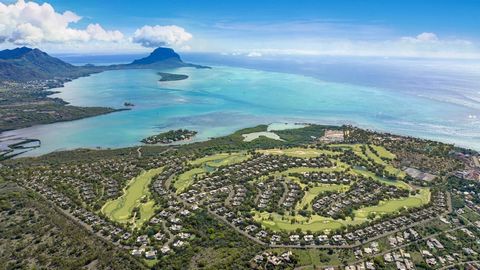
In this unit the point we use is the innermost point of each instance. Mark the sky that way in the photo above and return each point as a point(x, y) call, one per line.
point(394, 28)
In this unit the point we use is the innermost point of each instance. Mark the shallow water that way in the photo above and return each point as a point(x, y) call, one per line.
point(218, 101)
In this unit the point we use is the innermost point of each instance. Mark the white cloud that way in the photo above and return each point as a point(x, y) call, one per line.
point(423, 37)
point(28, 23)
point(97, 32)
point(156, 36)
point(254, 54)
point(424, 45)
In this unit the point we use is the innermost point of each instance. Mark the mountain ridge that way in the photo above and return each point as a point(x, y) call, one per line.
point(24, 64)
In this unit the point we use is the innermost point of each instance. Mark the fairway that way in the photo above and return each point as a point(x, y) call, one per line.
point(316, 223)
point(185, 179)
point(120, 209)
point(298, 152)
point(394, 205)
point(221, 159)
point(314, 191)
point(397, 183)
point(382, 152)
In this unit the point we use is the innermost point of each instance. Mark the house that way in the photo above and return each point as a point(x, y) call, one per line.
point(142, 239)
point(136, 252)
point(165, 249)
point(152, 254)
point(159, 236)
point(178, 244)
point(308, 238)
point(294, 238)
point(184, 235)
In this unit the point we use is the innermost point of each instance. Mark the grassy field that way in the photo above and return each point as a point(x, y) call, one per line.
point(382, 152)
point(121, 209)
point(399, 184)
point(186, 179)
point(318, 223)
point(394, 205)
point(356, 148)
point(286, 173)
point(314, 191)
point(298, 152)
point(315, 223)
point(221, 159)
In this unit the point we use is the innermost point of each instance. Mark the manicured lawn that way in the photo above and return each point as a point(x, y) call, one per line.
point(298, 152)
point(314, 191)
point(394, 205)
point(315, 223)
point(221, 159)
point(121, 209)
point(186, 179)
point(382, 152)
point(308, 169)
point(356, 148)
point(397, 183)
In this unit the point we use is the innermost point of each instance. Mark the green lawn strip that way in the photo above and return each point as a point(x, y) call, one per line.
point(185, 179)
point(300, 170)
point(388, 167)
point(299, 152)
point(356, 148)
point(397, 183)
point(390, 206)
point(382, 152)
point(147, 210)
point(315, 223)
point(150, 263)
point(314, 191)
point(121, 208)
point(221, 159)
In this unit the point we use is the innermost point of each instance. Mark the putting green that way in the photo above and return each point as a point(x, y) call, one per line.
point(121, 208)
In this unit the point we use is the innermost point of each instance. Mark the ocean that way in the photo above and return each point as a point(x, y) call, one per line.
point(434, 99)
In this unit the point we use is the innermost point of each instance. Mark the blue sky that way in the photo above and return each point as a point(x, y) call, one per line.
point(420, 28)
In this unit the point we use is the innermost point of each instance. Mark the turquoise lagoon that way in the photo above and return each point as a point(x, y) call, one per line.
point(217, 101)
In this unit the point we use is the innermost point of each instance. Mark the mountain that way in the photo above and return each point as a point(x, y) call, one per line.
point(161, 58)
point(159, 55)
point(26, 64)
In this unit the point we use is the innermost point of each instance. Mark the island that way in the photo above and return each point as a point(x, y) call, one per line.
point(166, 77)
point(170, 136)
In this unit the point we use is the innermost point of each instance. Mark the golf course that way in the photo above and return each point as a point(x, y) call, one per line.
point(135, 195)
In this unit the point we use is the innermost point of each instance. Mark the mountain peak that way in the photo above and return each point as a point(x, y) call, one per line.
point(15, 53)
point(158, 55)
